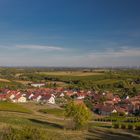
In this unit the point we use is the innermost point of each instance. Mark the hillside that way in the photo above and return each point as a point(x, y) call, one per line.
point(53, 124)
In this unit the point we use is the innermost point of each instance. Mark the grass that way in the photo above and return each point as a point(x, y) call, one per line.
point(75, 77)
point(53, 111)
point(12, 107)
point(100, 133)
point(23, 82)
point(106, 81)
point(14, 120)
point(11, 84)
point(35, 133)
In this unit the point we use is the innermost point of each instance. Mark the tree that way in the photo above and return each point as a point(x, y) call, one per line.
point(79, 113)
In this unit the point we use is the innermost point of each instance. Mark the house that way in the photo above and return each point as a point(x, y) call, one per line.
point(19, 99)
point(121, 110)
point(80, 96)
point(104, 109)
point(51, 100)
point(10, 96)
point(2, 97)
point(127, 97)
point(48, 98)
point(116, 99)
point(133, 104)
point(38, 84)
point(29, 96)
point(37, 97)
point(108, 110)
point(61, 95)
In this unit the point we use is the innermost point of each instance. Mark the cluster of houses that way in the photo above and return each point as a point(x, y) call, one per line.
point(36, 95)
point(39, 95)
point(103, 103)
point(107, 103)
point(114, 104)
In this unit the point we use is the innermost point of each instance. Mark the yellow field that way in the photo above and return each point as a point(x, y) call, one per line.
point(4, 80)
point(71, 73)
point(23, 82)
point(59, 84)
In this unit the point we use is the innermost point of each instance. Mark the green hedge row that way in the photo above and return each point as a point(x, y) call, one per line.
point(116, 119)
point(134, 126)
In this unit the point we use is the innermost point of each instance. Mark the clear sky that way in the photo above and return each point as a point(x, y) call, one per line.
point(70, 33)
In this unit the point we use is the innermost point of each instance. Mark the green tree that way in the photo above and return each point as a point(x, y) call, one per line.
point(79, 113)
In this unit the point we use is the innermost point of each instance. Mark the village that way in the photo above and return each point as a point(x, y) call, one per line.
point(105, 103)
point(69, 69)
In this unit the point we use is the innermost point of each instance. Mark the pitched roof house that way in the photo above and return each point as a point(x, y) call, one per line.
point(48, 98)
point(19, 99)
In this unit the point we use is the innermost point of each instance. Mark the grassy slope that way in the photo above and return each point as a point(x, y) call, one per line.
point(55, 111)
point(53, 125)
point(6, 106)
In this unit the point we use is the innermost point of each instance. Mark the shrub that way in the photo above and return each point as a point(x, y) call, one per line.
point(101, 119)
point(116, 125)
point(123, 126)
point(31, 133)
point(26, 133)
point(130, 126)
point(10, 133)
point(137, 127)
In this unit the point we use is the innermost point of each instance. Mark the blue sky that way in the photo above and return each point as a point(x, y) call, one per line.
point(70, 33)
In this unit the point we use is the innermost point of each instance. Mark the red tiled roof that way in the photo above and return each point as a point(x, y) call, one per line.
point(18, 96)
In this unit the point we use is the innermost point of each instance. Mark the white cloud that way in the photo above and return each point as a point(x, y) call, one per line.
point(122, 57)
point(40, 47)
point(122, 52)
